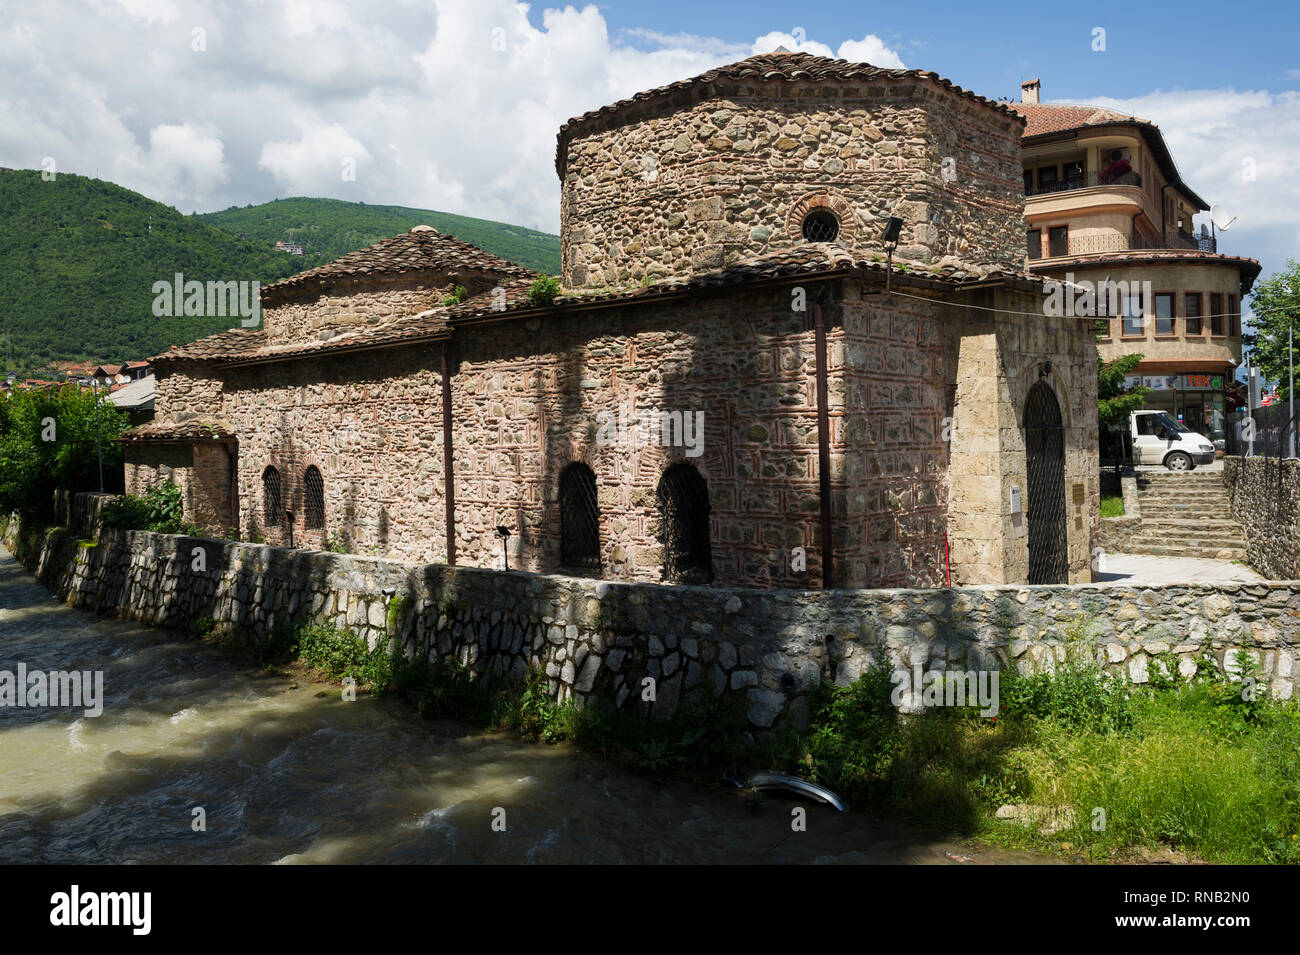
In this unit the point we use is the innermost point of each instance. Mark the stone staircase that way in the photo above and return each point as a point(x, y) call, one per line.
point(1186, 515)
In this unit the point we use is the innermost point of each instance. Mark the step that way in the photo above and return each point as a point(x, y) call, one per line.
point(1158, 524)
point(1167, 550)
point(1154, 544)
point(1183, 489)
point(1202, 502)
point(1187, 511)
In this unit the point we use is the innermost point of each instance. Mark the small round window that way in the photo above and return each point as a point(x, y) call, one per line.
point(821, 225)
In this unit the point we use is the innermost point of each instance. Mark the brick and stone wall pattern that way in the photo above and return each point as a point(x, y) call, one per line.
point(727, 177)
point(315, 312)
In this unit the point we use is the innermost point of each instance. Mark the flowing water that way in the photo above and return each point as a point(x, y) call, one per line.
point(288, 772)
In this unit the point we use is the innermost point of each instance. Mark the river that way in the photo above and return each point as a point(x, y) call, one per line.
point(288, 772)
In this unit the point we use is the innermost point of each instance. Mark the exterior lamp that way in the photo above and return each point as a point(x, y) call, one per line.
point(893, 229)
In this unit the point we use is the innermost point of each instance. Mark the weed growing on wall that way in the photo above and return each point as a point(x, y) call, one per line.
point(161, 510)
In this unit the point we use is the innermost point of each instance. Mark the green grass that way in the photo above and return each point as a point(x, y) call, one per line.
point(1112, 505)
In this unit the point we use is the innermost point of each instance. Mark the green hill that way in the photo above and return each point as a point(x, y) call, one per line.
point(79, 257)
point(328, 228)
point(78, 260)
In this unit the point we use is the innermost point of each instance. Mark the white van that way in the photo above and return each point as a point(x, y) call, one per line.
point(1159, 439)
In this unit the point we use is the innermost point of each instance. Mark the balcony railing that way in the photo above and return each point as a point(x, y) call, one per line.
point(1085, 181)
point(1120, 242)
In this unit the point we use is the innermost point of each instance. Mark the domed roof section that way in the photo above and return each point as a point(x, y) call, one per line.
point(422, 249)
point(781, 66)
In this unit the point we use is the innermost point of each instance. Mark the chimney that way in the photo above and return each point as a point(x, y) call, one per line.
point(1029, 91)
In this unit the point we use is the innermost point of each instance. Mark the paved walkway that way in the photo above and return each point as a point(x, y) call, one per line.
point(1146, 569)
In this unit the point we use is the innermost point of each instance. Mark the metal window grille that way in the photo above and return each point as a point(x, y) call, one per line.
point(579, 518)
point(821, 226)
point(272, 511)
point(314, 486)
point(684, 510)
point(1045, 474)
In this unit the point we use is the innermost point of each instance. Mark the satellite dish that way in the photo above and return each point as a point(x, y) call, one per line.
point(1221, 218)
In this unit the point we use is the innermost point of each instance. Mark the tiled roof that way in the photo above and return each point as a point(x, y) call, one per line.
point(195, 429)
point(804, 260)
point(765, 67)
point(250, 345)
point(1044, 118)
point(423, 249)
point(1250, 268)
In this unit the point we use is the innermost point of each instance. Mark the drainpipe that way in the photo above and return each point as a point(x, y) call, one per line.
point(232, 471)
point(823, 448)
point(448, 475)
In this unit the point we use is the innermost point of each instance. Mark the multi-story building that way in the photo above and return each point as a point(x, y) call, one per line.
point(1104, 203)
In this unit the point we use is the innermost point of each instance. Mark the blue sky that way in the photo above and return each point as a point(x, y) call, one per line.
point(991, 48)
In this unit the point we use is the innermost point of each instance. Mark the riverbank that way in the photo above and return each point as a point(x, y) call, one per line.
point(294, 774)
point(1079, 759)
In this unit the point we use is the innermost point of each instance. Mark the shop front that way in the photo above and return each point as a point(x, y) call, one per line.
point(1195, 399)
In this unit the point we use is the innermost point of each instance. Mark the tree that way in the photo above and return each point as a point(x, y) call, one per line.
point(48, 440)
point(1114, 401)
point(1276, 304)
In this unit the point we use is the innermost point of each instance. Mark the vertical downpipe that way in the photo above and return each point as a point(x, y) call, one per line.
point(448, 473)
point(823, 449)
point(232, 466)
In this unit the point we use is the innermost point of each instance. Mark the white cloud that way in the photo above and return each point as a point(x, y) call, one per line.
point(870, 49)
point(323, 156)
point(451, 104)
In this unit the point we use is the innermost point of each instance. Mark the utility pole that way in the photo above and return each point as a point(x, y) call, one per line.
point(99, 444)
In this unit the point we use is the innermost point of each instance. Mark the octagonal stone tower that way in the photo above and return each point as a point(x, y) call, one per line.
point(782, 149)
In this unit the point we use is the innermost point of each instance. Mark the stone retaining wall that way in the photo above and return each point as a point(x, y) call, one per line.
point(1265, 496)
point(603, 638)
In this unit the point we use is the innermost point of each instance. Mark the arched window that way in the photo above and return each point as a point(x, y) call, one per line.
point(579, 517)
point(684, 512)
point(314, 486)
point(272, 511)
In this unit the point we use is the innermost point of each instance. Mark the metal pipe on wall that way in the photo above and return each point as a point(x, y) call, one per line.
point(448, 472)
point(823, 448)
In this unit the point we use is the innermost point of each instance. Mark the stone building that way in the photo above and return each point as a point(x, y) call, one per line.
point(732, 385)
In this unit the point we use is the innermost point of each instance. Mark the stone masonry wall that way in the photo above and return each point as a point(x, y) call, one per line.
point(533, 396)
point(696, 187)
point(1265, 499)
point(603, 638)
point(372, 424)
point(745, 362)
point(313, 314)
point(993, 364)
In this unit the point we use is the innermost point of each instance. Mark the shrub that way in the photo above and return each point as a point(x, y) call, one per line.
point(161, 510)
point(339, 653)
point(542, 292)
point(456, 297)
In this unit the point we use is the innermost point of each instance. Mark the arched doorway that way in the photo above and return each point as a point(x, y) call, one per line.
point(1045, 476)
